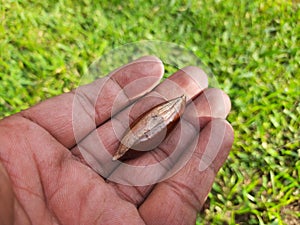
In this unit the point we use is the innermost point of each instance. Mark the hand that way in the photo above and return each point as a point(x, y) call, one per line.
point(45, 180)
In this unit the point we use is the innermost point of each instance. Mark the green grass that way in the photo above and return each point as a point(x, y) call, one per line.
point(252, 47)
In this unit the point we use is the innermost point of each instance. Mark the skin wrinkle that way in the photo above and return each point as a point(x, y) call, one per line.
point(53, 193)
point(131, 117)
point(39, 197)
point(144, 195)
point(60, 168)
point(107, 213)
point(82, 98)
point(37, 170)
point(114, 145)
point(78, 156)
point(195, 128)
point(61, 186)
point(127, 197)
point(159, 154)
point(122, 89)
point(81, 203)
point(59, 164)
point(98, 218)
point(111, 144)
point(19, 187)
point(27, 115)
point(49, 197)
point(169, 215)
point(18, 207)
point(210, 166)
point(52, 216)
point(179, 188)
point(106, 172)
point(29, 191)
point(140, 193)
point(53, 211)
point(121, 122)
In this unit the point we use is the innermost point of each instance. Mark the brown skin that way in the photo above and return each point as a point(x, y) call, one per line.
point(43, 182)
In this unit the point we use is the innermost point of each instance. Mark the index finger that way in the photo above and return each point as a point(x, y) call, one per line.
point(90, 105)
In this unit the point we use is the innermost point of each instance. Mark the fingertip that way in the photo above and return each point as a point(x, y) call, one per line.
point(189, 81)
point(213, 103)
point(230, 134)
point(219, 102)
point(148, 58)
point(198, 75)
point(140, 76)
point(215, 143)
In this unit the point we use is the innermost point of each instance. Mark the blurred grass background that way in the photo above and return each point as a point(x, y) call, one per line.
point(251, 46)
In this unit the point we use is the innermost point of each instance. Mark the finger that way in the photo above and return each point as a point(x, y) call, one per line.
point(90, 105)
point(182, 196)
point(212, 103)
point(196, 116)
point(99, 146)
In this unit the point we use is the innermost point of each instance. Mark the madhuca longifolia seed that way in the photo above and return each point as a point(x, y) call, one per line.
point(151, 123)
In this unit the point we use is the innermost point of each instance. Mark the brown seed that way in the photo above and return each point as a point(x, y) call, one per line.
point(149, 127)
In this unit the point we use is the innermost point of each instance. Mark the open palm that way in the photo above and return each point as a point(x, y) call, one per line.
point(45, 180)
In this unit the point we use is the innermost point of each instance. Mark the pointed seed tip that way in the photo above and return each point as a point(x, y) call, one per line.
point(115, 157)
